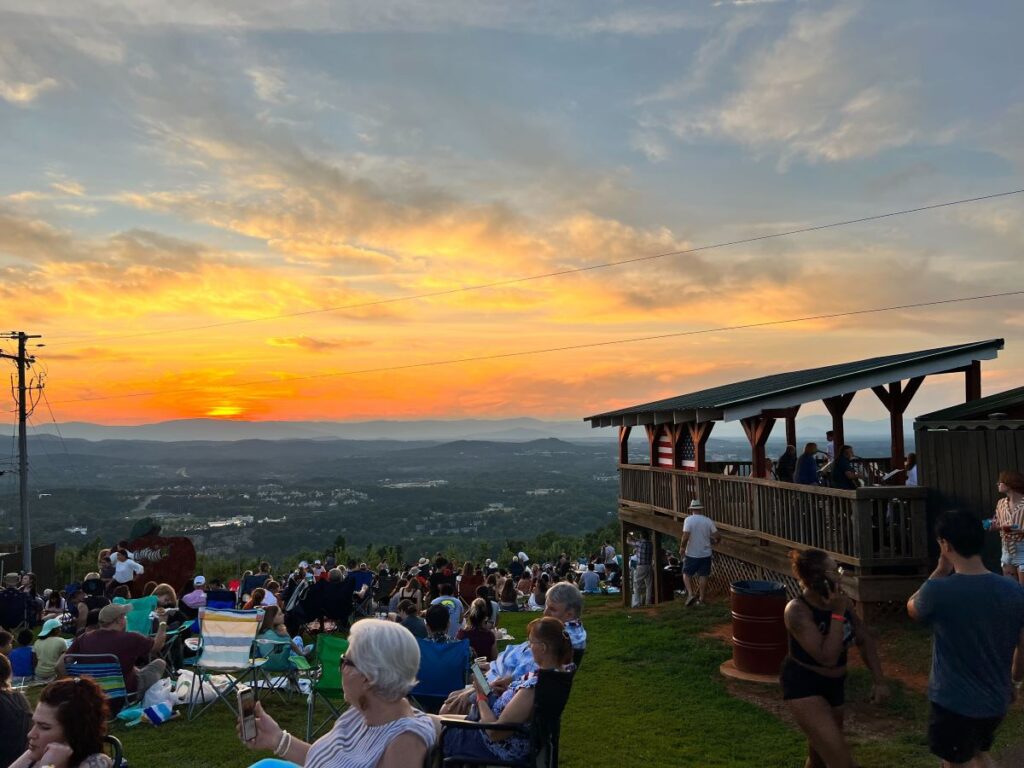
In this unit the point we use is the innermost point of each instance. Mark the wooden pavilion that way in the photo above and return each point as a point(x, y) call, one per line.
point(879, 533)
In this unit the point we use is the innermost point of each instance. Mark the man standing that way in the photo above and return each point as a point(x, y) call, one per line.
point(786, 465)
point(112, 637)
point(642, 581)
point(830, 444)
point(977, 618)
point(699, 534)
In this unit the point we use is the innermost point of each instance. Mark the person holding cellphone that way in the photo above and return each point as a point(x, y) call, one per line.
point(380, 728)
point(822, 625)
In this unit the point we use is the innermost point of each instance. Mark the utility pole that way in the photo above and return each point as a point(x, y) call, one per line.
point(23, 361)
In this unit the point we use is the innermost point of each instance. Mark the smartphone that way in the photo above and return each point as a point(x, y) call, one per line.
point(481, 679)
point(247, 711)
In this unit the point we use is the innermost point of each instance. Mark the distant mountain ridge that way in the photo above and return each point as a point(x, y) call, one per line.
point(518, 430)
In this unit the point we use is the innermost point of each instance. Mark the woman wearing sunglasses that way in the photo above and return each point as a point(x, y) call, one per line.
point(380, 729)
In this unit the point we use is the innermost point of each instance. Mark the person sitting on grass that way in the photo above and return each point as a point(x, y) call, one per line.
point(453, 604)
point(23, 658)
point(822, 624)
point(478, 629)
point(591, 581)
point(48, 649)
point(68, 727)
point(552, 649)
point(409, 618)
point(380, 728)
point(507, 596)
point(438, 620)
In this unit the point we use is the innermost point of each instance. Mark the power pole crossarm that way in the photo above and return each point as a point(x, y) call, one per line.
point(23, 361)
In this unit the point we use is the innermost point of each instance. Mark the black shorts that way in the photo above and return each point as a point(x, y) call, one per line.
point(958, 738)
point(697, 566)
point(799, 682)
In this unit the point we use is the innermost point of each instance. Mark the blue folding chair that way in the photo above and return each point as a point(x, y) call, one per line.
point(443, 668)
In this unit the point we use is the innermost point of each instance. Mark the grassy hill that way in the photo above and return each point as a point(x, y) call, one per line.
point(649, 693)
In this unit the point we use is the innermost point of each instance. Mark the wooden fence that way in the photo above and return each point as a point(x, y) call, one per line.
point(872, 526)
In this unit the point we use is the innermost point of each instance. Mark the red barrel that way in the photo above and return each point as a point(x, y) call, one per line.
point(759, 639)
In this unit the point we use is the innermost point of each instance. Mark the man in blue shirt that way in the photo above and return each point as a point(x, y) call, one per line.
point(977, 618)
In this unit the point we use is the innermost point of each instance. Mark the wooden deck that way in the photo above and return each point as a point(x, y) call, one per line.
point(879, 534)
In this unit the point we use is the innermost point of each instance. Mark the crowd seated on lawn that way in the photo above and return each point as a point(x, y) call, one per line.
point(467, 606)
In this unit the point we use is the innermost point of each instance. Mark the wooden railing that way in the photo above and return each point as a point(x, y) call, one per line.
point(869, 467)
point(872, 526)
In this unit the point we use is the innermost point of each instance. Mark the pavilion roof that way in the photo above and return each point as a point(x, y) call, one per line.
point(1011, 401)
point(785, 390)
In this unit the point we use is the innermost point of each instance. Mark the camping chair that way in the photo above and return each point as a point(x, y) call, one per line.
point(225, 646)
point(105, 670)
point(116, 750)
point(138, 618)
point(326, 681)
point(443, 668)
point(278, 663)
point(15, 610)
point(221, 598)
point(550, 698)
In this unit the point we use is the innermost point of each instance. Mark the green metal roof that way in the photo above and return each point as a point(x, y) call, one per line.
point(979, 410)
point(795, 387)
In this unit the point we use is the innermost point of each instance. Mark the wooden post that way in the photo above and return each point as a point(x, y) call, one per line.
point(624, 444)
point(758, 428)
point(653, 433)
point(789, 414)
point(896, 399)
point(656, 566)
point(837, 407)
point(972, 376)
point(699, 433)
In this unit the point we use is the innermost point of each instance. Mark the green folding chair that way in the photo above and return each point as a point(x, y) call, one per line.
point(326, 682)
point(138, 619)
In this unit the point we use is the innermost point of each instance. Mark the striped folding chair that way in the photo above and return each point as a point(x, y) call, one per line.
point(225, 645)
point(105, 670)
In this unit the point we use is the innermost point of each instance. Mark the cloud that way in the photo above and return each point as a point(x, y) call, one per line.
point(643, 22)
point(811, 95)
point(25, 93)
point(68, 187)
point(311, 344)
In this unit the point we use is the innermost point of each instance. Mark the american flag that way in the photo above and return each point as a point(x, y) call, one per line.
point(687, 453)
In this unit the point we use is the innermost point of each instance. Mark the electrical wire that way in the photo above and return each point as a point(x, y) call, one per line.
point(566, 348)
point(545, 275)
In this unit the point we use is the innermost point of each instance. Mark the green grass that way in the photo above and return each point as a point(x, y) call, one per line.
point(648, 693)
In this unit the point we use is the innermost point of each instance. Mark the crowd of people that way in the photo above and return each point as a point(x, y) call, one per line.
point(977, 618)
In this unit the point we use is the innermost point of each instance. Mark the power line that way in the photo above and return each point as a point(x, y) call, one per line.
point(545, 275)
point(566, 348)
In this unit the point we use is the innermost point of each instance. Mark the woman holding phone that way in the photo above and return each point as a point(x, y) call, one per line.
point(380, 729)
point(822, 626)
point(551, 649)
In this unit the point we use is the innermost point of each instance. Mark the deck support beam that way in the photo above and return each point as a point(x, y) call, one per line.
point(700, 431)
point(972, 376)
point(624, 444)
point(758, 428)
point(896, 400)
point(837, 407)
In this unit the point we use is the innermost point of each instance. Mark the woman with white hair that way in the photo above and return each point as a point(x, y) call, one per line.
point(380, 729)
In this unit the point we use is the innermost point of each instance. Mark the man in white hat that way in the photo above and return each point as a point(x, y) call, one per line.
point(699, 534)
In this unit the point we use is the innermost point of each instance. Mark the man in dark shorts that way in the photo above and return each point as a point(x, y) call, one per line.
point(977, 618)
point(699, 534)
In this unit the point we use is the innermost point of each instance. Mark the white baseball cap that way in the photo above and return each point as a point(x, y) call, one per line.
point(199, 581)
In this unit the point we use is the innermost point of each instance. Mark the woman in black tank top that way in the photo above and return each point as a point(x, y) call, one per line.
point(822, 626)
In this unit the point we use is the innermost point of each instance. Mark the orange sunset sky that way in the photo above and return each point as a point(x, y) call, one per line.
point(168, 166)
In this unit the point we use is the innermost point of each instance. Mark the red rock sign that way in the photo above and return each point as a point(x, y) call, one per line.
point(167, 559)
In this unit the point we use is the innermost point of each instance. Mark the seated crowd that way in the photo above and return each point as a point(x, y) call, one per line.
point(386, 614)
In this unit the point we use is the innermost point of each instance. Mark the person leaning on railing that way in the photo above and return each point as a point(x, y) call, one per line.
point(822, 625)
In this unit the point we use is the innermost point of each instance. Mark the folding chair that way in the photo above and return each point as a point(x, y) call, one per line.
point(116, 750)
point(443, 668)
point(15, 613)
point(105, 670)
point(278, 662)
point(225, 646)
point(326, 681)
point(221, 598)
point(550, 697)
point(138, 619)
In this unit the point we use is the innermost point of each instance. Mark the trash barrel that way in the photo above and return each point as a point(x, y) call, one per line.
point(759, 639)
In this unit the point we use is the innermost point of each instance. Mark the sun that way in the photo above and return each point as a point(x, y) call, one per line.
point(223, 411)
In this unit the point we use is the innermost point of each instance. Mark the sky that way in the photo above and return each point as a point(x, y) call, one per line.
point(187, 186)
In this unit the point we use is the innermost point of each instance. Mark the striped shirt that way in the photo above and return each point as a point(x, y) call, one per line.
point(1007, 515)
point(351, 743)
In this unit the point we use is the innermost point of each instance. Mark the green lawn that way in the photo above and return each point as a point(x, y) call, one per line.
point(648, 693)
